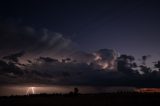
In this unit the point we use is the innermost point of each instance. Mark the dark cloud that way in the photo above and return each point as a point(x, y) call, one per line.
point(14, 57)
point(54, 72)
point(40, 42)
point(10, 69)
point(125, 64)
point(15, 37)
point(157, 65)
point(144, 58)
point(51, 59)
point(47, 59)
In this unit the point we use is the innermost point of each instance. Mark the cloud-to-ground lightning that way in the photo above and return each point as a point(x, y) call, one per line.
point(30, 90)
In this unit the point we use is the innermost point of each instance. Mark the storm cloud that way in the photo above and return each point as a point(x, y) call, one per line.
point(50, 71)
point(40, 56)
point(18, 37)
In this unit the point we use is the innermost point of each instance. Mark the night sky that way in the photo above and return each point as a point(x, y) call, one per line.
point(127, 26)
point(78, 42)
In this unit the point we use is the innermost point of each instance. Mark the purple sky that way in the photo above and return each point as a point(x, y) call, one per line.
point(130, 27)
point(44, 42)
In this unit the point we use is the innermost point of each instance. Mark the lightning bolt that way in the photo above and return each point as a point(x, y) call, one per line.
point(30, 89)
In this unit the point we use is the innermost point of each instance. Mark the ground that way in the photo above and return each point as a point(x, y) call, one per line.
point(107, 99)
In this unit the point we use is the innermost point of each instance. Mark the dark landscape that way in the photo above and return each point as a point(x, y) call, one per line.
point(104, 99)
point(106, 52)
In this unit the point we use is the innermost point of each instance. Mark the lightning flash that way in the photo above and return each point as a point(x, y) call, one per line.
point(30, 90)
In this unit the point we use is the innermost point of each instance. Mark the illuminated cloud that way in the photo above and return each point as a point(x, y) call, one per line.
point(106, 58)
point(51, 59)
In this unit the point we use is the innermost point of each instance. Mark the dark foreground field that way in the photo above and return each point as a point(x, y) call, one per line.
point(107, 99)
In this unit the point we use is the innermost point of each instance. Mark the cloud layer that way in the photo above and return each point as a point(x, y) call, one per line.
point(39, 56)
point(17, 37)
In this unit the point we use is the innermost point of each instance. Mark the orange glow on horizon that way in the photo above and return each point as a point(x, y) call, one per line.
point(143, 90)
